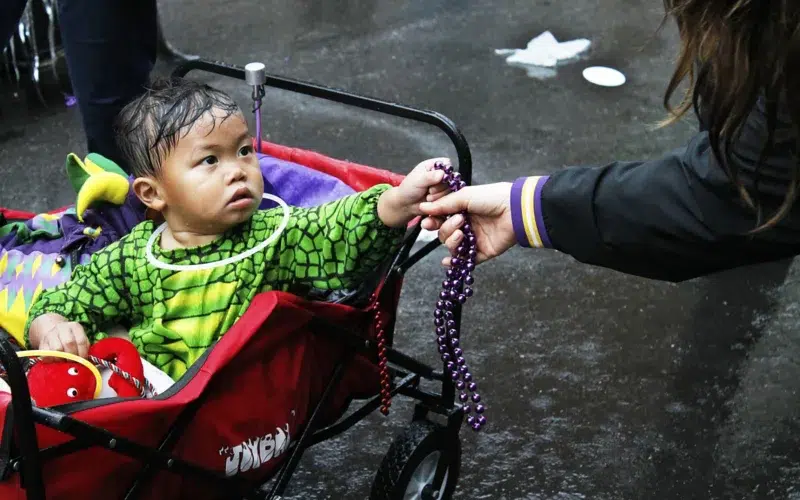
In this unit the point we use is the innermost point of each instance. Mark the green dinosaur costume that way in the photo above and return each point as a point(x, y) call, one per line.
point(177, 315)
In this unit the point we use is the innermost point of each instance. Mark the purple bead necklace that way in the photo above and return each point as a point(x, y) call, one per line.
point(457, 289)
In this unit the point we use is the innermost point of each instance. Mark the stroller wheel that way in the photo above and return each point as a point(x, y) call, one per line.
point(407, 471)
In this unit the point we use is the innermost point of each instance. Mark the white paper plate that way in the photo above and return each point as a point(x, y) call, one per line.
point(603, 76)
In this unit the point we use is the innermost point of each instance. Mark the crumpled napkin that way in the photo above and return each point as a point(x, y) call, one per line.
point(545, 51)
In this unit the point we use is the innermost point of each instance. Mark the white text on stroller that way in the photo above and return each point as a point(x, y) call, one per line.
point(255, 452)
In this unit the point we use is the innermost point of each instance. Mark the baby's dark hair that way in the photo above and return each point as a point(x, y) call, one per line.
point(148, 128)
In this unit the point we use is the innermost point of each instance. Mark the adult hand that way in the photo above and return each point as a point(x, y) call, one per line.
point(489, 210)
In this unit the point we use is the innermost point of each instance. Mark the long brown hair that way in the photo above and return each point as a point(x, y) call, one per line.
point(733, 52)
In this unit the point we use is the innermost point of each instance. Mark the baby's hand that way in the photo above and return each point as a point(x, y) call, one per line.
point(421, 182)
point(52, 332)
point(398, 206)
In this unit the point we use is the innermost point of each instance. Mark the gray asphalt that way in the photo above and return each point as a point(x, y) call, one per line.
point(599, 385)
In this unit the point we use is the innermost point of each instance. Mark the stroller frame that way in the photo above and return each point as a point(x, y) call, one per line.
point(406, 373)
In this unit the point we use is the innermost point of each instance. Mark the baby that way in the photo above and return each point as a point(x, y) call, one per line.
point(192, 155)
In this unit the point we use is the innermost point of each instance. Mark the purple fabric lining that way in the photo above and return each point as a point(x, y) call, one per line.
point(298, 185)
point(114, 221)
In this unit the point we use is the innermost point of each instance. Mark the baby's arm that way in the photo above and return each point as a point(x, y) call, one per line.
point(335, 245)
point(94, 296)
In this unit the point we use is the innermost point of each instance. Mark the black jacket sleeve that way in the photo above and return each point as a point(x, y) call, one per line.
point(680, 216)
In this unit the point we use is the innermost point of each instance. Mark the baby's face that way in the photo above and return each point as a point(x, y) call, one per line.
point(212, 181)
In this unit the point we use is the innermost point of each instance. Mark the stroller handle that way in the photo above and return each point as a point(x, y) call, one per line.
point(341, 96)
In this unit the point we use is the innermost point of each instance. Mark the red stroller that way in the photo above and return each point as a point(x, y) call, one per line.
point(281, 380)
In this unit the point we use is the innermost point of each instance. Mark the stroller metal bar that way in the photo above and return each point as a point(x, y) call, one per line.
point(404, 361)
point(412, 259)
point(405, 247)
point(23, 421)
point(254, 75)
point(124, 446)
point(62, 450)
point(286, 472)
point(173, 435)
point(432, 401)
point(368, 407)
point(165, 48)
point(430, 117)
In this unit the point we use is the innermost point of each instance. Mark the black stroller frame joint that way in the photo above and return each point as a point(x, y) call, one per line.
point(20, 451)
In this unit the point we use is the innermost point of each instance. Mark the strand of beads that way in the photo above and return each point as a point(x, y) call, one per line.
point(386, 387)
point(456, 289)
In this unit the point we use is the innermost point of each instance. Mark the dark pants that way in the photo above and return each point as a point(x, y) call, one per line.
point(10, 14)
point(110, 48)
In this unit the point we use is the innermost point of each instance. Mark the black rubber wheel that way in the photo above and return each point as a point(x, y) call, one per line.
point(410, 464)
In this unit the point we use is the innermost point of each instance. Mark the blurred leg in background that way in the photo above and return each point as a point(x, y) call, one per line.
point(110, 48)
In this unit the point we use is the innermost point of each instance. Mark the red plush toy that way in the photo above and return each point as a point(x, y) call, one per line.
point(63, 382)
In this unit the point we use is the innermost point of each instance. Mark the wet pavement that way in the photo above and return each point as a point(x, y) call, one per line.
point(599, 385)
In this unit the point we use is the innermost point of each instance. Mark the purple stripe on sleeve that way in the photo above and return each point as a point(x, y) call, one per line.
point(516, 212)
